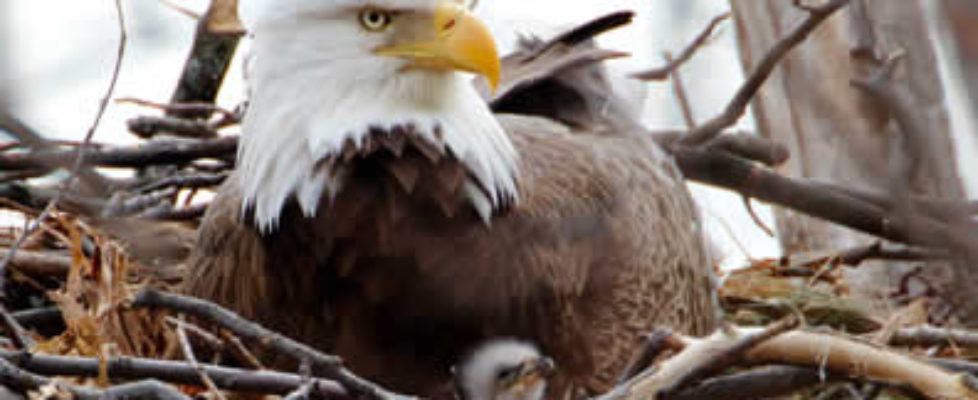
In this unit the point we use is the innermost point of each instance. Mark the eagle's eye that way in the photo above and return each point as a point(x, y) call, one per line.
point(375, 20)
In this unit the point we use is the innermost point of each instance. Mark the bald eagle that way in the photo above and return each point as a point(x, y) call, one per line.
point(383, 212)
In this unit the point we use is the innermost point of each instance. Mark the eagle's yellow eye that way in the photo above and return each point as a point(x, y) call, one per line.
point(375, 20)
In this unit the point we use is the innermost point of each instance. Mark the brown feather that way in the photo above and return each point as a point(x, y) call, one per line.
point(404, 171)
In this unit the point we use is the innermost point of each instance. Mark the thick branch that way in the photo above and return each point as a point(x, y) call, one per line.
point(205, 67)
point(36, 263)
point(825, 353)
point(730, 172)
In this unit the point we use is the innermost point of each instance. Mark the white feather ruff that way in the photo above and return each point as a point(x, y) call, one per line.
point(315, 83)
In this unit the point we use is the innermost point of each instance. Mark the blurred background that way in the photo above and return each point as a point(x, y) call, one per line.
point(56, 59)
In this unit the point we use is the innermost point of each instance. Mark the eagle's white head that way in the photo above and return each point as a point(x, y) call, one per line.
point(504, 370)
point(327, 72)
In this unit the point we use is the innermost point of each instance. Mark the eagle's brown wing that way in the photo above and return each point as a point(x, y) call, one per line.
point(565, 79)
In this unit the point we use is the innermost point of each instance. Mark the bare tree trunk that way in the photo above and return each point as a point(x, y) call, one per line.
point(838, 133)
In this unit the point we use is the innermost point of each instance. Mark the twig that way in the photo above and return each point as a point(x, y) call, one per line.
point(183, 107)
point(179, 372)
point(330, 366)
point(155, 153)
point(738, 105)
point(180, 9)
point(878, 251)
point(679, 90)
point(147, 127)
point(749, 206)
point(663, 72)
point(929, 336)
point(80, 152)
point(213, 341)
point(14, 330)
point(188, 354)
point(240, 352)
point(302, 393)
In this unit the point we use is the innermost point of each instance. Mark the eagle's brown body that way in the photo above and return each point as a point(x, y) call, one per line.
point(401, 278)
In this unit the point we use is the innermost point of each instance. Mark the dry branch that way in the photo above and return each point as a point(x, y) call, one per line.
point(14, 330)
point(929, 336)
point(153, 153)
point(147, 127)
point(738, 105)
point(171, 371)
point(759, 383)
point(149, 389)
point(679, 378)
point(673, 64)
point(728, 171)
point(188, 354)
point(329, 366)
point(39, 263)
point(822, 353)
point(208, 62)
point(860, 360)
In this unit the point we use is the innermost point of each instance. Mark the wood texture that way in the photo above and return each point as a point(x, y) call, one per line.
point(836, 132)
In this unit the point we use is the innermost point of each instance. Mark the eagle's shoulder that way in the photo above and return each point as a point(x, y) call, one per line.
point(560, 166)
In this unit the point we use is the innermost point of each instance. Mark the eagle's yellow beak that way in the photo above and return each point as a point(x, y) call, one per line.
point(456, 40)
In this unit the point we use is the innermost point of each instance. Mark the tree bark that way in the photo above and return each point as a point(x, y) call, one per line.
point(838, 133)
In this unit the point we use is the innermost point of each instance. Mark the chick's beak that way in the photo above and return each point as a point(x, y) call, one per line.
point(453, 39)
point(532, 371)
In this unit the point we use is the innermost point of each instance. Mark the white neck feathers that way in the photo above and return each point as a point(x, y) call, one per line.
point(304, 109)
